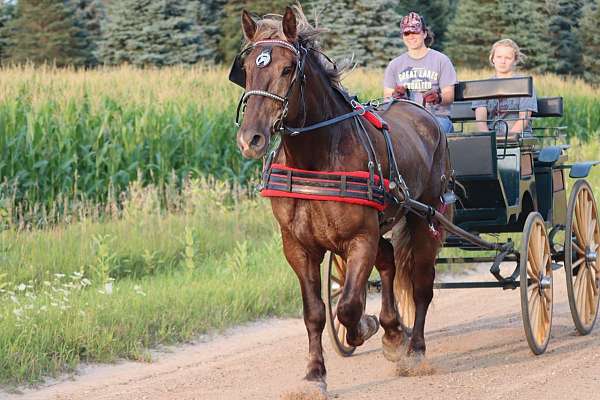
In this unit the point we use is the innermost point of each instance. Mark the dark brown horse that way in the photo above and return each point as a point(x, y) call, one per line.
point(310, 228)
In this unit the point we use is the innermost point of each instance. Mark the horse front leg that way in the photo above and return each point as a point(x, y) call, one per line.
point(306, 264)
point(360, 257)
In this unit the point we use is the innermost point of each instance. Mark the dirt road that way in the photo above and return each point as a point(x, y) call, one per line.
point(476, 346)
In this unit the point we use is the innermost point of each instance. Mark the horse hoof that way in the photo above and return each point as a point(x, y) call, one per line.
point(367, 327)
point(372, 324)
point(414, 364)
point(393, 351)
point(308, 390)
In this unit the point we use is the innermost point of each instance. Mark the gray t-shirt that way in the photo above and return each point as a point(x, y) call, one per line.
point(508, 109)
point(433, 71)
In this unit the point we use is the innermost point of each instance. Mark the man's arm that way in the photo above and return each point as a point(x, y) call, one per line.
point(481, 117)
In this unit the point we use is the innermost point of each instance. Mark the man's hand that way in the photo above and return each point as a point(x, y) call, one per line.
point(432, 96)
point(400, 92)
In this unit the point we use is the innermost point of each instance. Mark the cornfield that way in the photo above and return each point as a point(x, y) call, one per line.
point(69, 136)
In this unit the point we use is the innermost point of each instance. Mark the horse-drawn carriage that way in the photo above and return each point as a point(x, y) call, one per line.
point(510, 186)
point(345, 174)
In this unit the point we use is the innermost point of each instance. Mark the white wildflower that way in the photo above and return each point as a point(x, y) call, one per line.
point(21, 287)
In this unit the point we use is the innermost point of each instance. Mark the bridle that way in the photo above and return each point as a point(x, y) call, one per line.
point(238, 76)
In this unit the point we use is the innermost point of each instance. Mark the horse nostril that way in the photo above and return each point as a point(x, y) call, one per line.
point(257, 141)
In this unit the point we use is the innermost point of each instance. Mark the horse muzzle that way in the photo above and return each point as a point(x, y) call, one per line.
point(252, 144)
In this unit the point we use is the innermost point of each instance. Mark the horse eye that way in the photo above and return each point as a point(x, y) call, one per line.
point(286, 71)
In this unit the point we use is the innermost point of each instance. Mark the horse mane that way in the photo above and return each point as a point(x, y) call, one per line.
point(269, 27)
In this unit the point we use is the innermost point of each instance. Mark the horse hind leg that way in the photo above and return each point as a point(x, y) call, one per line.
point(393, 340)
point(424, 251)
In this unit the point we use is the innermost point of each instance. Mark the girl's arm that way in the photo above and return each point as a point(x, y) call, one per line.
point(521, 123)
point(481, 117)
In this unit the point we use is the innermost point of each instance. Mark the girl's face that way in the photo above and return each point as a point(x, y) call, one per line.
point(504, 59)
point(414, 41)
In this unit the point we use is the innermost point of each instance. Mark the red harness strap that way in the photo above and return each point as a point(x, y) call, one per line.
point(345, 187)
point(372, 117)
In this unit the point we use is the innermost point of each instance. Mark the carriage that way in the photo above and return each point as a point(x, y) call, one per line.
point(504, 187)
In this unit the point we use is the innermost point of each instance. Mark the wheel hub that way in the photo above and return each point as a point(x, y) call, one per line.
point(545, 282)
point(590, 256)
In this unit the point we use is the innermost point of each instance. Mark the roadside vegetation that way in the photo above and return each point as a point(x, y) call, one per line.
point(114, 238)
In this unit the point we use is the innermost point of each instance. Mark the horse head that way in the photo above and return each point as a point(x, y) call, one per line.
point(270, 69)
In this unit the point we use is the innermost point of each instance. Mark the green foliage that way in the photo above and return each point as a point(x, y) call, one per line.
point(232, 35)
point(525, 23)
point(44, 31)
point(210, 17)
point(88, 18)
point(151, 33)
point(364, 31)
point(590, 39)
point(7, 11)
point(477, 25)
point(563, 24)
point(437, 14)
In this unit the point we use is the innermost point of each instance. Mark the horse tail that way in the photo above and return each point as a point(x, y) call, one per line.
point(403, 258)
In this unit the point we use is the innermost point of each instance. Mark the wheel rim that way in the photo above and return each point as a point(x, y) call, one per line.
point(334, 285)
point(536, 284)
point(581, 264)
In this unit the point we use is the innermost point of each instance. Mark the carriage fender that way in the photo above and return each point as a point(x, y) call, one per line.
point(550, 155)
point(581, 169)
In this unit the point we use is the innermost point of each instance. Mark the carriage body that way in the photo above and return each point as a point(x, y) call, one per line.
point(514, 186)
point(502, 181)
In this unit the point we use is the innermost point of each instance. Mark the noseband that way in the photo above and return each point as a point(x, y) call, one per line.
point(238, 76)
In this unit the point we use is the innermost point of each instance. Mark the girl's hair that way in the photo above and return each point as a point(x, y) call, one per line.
point(430, 36)
point(519, 57)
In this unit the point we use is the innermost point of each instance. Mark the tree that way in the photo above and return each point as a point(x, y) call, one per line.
point(88, 18)
point(210, 16)
point(147, 32)
point(231, 31)
point(44, 31)
point(477, 25)
point(589, 32)
point(563, 24)
point(366, 31)
point(525, 23)
point(437, 14)
point(7, 13)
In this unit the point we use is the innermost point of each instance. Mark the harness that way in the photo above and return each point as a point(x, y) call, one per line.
point(367, 188)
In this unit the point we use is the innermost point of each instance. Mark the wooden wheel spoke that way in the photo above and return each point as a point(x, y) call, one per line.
point(580, 284)
point(342, 334)
point(532, 262)
point(591, 229)
point(578, 249)
point(578, 262)
point(534, 277)
point(545, 265)
point(534, 314)
point(336, 292)
point(337, 280)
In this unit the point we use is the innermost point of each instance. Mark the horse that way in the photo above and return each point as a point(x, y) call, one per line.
point(289, 81)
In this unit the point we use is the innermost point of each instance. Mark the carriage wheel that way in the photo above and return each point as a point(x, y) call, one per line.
point(536, 283)
point(406, 309)
point(333, 285)
point(582, 236)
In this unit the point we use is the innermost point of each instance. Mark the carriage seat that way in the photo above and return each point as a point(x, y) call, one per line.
point(461, 111)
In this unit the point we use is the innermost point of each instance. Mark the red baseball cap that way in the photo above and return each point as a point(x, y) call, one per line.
point(412, 23)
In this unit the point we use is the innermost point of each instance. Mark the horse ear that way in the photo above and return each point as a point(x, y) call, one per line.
point(248, 25)
point(289, 25)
